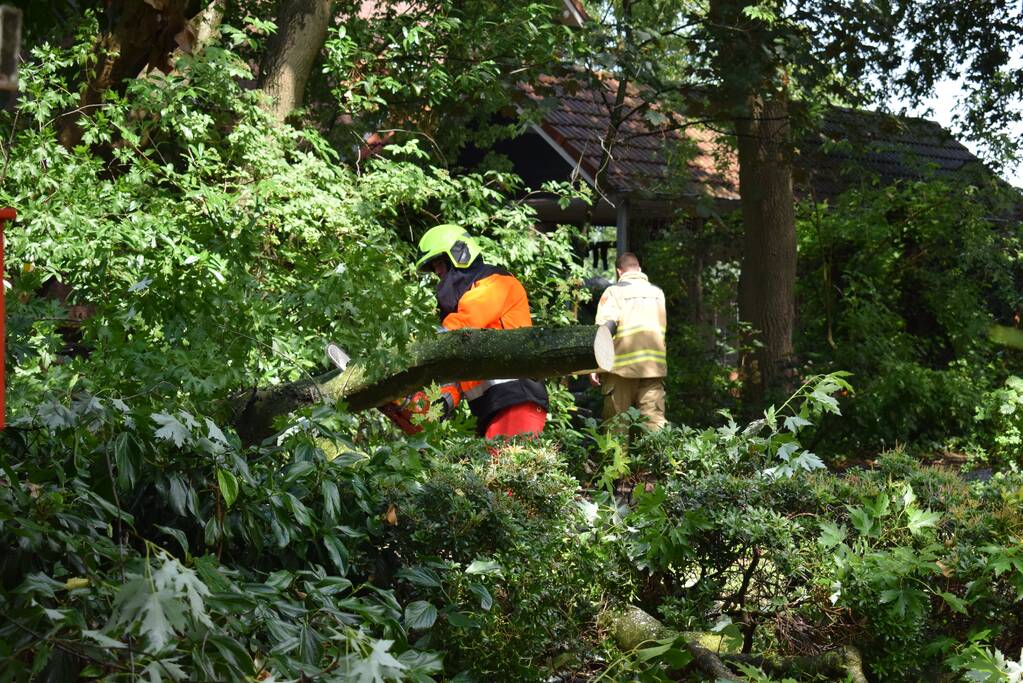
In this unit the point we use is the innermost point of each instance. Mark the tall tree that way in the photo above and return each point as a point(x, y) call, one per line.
point(978, 42)
point(443, 71)
point(754, 70)
point(754, 88)
point(291, 52)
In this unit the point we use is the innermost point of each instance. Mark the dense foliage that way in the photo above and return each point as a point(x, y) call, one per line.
point(191, 247)
point(214, 250)
point(901, 286)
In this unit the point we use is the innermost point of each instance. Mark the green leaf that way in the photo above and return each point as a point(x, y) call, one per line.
point(228, 486)
point(178, 490)
point(171, 429)
point(808, 461)
point(104, 640)
point(156, 621)
point(649, 653)
point(481, 592)
point(908, 497)
point(299, 510)
point(832, 534)
point(921, 519)
point(331, 500)
point(862, 521)
point(898, 595)
point(280, 532)
point(176, 534)
point(420, 615)
point(40, 584)
point(297, 471)
point(379, 666)
point(483, 567)
point(338, 553)
point(420, 576)
point(124, 460)
point(794, 423)
point(954, 601)
point(460, 620)
point(880, 506)
point(677, 658)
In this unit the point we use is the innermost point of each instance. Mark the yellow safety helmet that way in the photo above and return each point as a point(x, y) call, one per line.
point(450, 240)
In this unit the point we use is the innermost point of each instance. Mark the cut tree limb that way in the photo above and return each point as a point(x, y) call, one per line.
point(844, 663)
point(633, 627)
point(528, 352)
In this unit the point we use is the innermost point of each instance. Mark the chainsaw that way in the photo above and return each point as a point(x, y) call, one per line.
point(396, 412)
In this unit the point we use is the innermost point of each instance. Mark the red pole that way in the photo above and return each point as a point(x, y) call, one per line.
point(5, 216)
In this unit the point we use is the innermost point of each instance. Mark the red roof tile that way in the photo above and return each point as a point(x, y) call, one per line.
point(849, 146)
point(642, 155)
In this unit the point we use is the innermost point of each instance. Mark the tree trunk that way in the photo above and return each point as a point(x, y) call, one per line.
point(301, 31)
point(754, 94)
point(767, 282)
point(528, 352)
point(207, 23)
point(143, 33)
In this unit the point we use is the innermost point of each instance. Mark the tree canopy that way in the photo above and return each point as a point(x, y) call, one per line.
point(209, 192)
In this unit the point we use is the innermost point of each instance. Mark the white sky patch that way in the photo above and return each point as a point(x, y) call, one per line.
point(942, 106)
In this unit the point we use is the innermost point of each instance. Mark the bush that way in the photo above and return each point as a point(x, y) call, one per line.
point(910, 563)
point(140, 539)
point(899, 286)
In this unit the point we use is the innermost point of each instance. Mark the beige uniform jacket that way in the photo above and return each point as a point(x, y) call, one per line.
point(637, 307)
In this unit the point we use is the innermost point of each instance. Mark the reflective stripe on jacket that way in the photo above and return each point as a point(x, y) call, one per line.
point(499, 302)
point(637, 307)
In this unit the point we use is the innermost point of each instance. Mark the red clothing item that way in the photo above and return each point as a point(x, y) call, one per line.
point(521, 419)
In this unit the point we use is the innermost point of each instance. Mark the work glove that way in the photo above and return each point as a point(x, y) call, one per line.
point(419, 404)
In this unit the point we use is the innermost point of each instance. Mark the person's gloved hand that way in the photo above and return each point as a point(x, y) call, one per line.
point(419, 404)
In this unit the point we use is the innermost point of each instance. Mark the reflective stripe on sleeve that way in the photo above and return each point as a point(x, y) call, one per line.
point(478, 390)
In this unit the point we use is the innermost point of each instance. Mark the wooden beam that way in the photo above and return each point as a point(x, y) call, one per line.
point(622, 226)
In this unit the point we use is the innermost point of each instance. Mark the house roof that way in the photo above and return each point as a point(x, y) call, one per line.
point(648, 151)
point(854, 145)
point(851, 146)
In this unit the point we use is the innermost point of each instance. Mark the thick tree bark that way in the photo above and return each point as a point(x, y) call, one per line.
point(767, 282)
point(754, 94)
point(206, 24)
point(529, 352)
point(301, 31)
point(143, 33)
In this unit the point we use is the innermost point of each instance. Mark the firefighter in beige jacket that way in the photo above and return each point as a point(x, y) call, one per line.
point(636, 309)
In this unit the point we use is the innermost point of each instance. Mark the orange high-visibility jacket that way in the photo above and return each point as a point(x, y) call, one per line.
point(496, 301)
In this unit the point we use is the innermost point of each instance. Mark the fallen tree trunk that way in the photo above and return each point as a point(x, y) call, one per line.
point(528, 352)
point(633, 627)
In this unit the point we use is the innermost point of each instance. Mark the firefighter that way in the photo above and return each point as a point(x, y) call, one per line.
point(474, 294)
point(635, 310)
